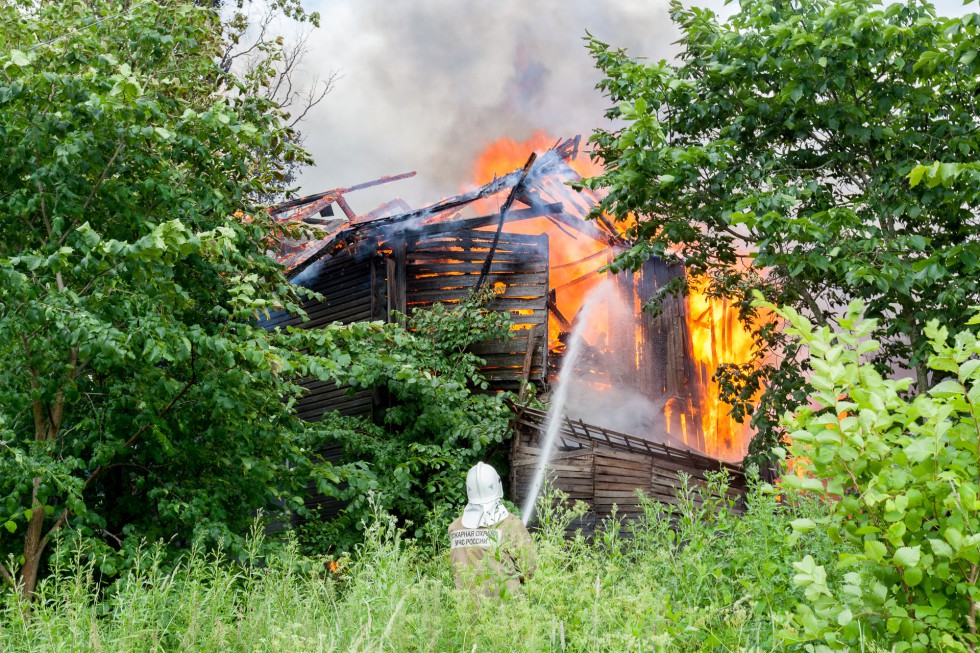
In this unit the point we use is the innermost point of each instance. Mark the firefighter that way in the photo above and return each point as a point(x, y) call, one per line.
point(491, 550)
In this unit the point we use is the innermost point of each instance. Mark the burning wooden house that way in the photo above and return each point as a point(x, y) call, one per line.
point(526, 235)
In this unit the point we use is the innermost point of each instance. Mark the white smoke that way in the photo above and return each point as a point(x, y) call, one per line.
point(427, 84)
point(601, 385)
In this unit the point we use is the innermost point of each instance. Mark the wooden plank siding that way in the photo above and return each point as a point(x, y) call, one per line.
point(353, 290)
point(603, 468)
point(446, 266)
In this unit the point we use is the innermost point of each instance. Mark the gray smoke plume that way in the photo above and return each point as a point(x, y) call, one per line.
point(426, 85)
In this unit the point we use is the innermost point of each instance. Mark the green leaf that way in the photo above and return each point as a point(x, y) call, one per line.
point(915, 177)
point(19, 59)
point(906, 556)
point(941, 548)
point(803, 525)
point(10, 526)
point(875, 550)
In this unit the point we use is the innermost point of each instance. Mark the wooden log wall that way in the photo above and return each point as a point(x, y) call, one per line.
point(604, 468)
point(445, 267)
point(671, 371)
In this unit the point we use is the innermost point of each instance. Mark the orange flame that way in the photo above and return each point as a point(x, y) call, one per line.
point(506, 155)
point(716, 336)
point(570, 275)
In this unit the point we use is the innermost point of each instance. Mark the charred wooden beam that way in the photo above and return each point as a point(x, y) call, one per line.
point(580, 279)
point(560, 228)
point(285, 206)
point(528, 357)
point(562, 320)
point(345, 207)
point(503, 216)
point(589, 229)
point(586, 259)
point(450, 226)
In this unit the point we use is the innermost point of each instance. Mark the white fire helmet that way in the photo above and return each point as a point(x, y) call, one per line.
point(484, 492)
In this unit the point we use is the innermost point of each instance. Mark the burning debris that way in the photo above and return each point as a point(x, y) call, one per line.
point(526, 234)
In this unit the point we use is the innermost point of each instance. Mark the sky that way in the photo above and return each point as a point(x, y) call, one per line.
point(426, 85)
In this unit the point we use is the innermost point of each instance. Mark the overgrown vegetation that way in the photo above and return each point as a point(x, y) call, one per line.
point(437, 422)
point(714, 583)
point(900, 480)
point(138, 397)
point(145, 418)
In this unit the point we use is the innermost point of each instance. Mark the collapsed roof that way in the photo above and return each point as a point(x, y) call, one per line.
point(542, 190)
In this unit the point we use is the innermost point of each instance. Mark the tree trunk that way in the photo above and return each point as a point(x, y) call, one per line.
point(47, 420)
point(34, 545)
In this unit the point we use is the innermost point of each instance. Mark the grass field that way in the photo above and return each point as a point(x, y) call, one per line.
point(716, 581)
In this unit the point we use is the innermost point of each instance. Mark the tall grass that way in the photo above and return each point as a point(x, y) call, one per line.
point(709, 579)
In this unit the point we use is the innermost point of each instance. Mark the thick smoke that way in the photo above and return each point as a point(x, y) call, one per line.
point(426, 85)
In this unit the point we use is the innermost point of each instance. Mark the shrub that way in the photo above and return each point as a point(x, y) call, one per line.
point(716, 580)
point(899, 477)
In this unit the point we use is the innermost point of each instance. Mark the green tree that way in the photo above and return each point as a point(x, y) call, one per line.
point(137, 396)
point(774, 155)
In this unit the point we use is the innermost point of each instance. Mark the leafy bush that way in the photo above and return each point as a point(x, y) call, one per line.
point(787, 129)
point(138, 398)
point(437, 424)
point(899, 476)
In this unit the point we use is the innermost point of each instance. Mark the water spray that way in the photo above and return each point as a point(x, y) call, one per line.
point(556, 411)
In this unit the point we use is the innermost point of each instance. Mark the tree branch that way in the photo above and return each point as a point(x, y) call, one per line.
point(102, 177)
point(183, 391)
point(7, 576)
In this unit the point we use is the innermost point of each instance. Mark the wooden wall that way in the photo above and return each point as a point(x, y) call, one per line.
point(602, 467)
point(352, 283)
point(445, 267)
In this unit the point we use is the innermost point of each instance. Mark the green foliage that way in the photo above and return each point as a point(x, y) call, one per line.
point(900, 479)
point(437, 424)
point(776, 155)
point(137, 396)
point(716, 583)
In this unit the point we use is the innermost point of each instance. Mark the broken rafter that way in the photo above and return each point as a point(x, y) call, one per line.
point(560, 228)
point(563, 322)
point(345, 207)
point(396, 204)
point(518, 187)
point(285, 206)
point(572, 264)
point(495, 186)
point(448, 226)
point(580, 279)
point(589, 229)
